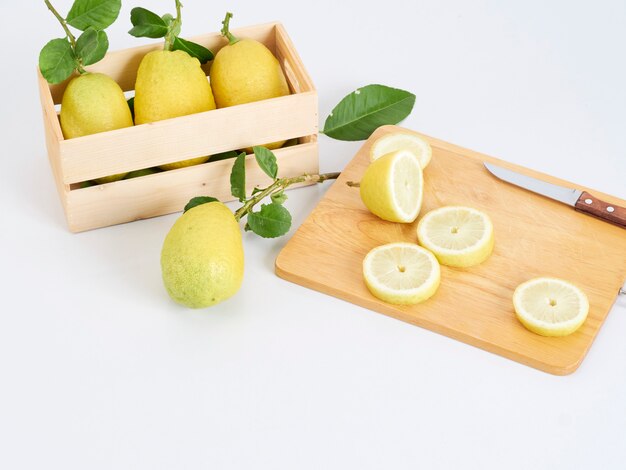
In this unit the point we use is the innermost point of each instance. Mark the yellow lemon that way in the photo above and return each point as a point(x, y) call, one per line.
point(392, 187)
point(93, 103)
point(244, 71)
point(402, 141)
point(458, 236)
point(171, 84)
point(202, 256)
point(550, 307)
point(401, 273)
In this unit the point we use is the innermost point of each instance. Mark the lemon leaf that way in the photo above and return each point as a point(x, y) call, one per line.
point(365, 110)
point(131, 106)
point(266, 160)
point(147, 24)
point(91, 46)
point(172, 24)
point(272, 221)
point(279, 197)
point(99, 14)
point(194, 50)
point(198, 201)
point(238, 177)
point(57, 60)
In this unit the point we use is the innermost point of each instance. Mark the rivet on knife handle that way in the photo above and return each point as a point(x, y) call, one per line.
point(603, 210)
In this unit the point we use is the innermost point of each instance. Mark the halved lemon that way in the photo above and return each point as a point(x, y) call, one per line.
point(402, 141)
point(550, 307)
point(392, 187)
point(458, 236)
point(401, 273)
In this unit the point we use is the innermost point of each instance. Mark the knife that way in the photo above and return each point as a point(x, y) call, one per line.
point(581, 200)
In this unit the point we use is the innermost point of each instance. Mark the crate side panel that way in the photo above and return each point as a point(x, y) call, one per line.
point(291, 62)
point(164, 193)
point(52, 134)
point(172, 140)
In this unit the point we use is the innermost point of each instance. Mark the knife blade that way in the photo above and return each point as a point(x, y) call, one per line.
point(581, 200)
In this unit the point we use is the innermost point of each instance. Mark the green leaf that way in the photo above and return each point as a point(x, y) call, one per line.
point(198, 201)
point(147, 24)
point(91, 46)
point(57, 60)
point(272, 221)
point(223, 156)
point(131, 105)
point(279, 197)
point(194, 50)
point(266, 160)
point(169, 21)
point(366, 109)
point(238, 177)
point(99, 14)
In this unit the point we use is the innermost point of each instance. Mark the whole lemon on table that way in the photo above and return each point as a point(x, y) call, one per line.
point(202, 256)
point(171, 84)
point(93, 103)
point(244, 71)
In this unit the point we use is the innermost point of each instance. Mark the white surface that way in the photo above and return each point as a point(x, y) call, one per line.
point(100, 370)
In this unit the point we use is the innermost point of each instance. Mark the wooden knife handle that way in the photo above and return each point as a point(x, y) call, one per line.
point(603, 210)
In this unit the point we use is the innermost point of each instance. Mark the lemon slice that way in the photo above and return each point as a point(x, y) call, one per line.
point(392, 187)
point(458, 236)
point(401, 141)
point(550, 307)
point(401, 273)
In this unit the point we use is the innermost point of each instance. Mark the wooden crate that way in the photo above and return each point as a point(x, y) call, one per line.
point(85, 158)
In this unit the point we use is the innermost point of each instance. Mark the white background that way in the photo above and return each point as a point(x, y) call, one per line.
point(100, 370)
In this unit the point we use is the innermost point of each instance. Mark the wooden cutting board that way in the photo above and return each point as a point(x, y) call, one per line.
point(535, 236)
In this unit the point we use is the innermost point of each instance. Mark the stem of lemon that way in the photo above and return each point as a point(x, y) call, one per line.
point(68, 33)
point(226, 31)
point(280, 185)
point(170, 37)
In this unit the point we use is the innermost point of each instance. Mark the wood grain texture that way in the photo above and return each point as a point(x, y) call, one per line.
point(53, 136)
point(591, 205)
point(195, 135)
point(540, 237)
point(167, 192)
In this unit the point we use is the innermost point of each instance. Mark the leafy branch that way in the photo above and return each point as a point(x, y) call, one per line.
point(61, 57)
point(357, 115)
point(56, 14)
point(150, 25)
point(273, 219)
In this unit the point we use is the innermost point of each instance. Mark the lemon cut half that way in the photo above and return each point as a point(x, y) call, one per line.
point(458, 236)
point(550, 307)
point(401, 273)
point(402, 141)
point(392, 187)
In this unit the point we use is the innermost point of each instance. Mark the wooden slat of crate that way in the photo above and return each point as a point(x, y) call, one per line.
point(167, 192)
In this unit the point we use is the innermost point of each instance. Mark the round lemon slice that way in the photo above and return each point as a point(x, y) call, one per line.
point(392, 187)
point(458, 236)
point(401, 273)
point(402, 141)
point(550, 307)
